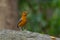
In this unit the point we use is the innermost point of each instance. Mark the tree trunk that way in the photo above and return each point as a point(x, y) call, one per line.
point(8, 14)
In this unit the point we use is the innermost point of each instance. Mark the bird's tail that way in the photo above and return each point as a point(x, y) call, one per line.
point(17, 26)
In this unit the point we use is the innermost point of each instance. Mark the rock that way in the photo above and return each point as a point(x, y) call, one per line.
point(23, 35)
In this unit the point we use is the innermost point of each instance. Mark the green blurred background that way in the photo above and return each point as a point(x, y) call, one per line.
point(43, 15)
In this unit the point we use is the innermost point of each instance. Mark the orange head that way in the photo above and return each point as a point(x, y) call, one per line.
point(24, 13)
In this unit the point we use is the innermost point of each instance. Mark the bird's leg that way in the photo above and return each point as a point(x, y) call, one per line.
point(20, 28)
point(25, 28)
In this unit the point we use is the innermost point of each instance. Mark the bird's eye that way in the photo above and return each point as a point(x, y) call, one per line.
point(25, 14)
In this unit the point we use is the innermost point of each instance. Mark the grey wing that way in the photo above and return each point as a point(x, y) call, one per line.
point(19, 22)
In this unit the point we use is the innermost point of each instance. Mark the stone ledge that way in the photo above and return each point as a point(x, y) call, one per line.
point(23, 35)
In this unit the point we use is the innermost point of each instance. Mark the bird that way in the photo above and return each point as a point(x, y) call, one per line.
point(22, 21)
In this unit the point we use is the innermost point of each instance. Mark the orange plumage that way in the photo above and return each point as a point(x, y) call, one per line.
point(23, 20)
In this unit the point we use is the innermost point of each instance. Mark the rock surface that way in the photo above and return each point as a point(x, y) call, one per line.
point(23, 35)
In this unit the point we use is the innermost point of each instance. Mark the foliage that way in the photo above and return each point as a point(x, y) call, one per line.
point(43, 15)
